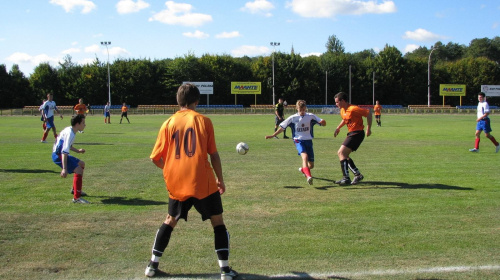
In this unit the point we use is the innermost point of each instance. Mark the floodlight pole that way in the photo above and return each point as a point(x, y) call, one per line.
point(429, 77)
point(274, 44)
point(109, 77)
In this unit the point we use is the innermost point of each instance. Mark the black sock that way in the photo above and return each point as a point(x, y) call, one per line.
point(162, 239)
point(352, 166)
point(221, 237)
point(345, 168)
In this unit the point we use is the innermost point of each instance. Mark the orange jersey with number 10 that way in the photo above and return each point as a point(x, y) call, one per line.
point(184, 142)
point(353, 117)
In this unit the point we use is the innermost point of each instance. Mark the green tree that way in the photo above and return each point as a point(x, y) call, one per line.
point(334, 45)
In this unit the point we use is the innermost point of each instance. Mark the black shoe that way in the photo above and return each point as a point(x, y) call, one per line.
point(357, 179)
point(232, 274)
point(286, 137)
point(344, 181)
point(151, 269)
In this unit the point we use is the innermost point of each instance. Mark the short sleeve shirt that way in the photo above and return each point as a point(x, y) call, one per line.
point(48, 108)
point(80, 109)
point(64, 141)
point(302, 126)
point(377, 109)
point(184, 142)
point(482, 108)
point(353, 117)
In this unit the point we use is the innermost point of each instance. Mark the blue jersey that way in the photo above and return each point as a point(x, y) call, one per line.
point(302, 126)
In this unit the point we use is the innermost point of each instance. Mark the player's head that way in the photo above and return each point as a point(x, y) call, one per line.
point(77, 119)
point(377, 102)
point(481, 96)
point(187, 94)
point(80, 100)
point(124, 104)
point(50, 96)
point(341, 100)
point(280, 100)
point(301, 106)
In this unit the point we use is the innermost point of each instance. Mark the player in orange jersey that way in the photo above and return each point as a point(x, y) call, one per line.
point(80, 108)
point(378, 112)
point(124, 112)
point(352, 116)
point(185, 142)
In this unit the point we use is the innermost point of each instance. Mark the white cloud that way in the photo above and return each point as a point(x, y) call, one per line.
point(71, 50)
point(197, 34)
point(225, 35)
point(92, 49)
point(495, 25)
point(258, 7)
point(331, 8)
point(129, 6)
point(117, 51)
point(311, 54)
point(411, 47)
point(180, 14)
point(18, 58)
point(68, 5)
point(250, 51)
point(422, 35)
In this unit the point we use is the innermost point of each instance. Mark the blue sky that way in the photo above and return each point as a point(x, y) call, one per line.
point(35, 31)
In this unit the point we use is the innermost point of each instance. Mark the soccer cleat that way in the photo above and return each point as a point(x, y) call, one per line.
point(357, 179)
point(232, 274)
point(474, 150)
point(151, 269)
point(276, 137)
point(310, 180)
point(81, 194)
point(43, 141)
point(81, 201)
point(344, 181)
point(497, 149)
point(286, 137)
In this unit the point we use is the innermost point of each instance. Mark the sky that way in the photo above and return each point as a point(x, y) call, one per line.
point(37, 31)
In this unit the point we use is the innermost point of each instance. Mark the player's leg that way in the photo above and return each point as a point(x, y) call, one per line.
point(343, 154)
point(493, 140)
point(476, 141)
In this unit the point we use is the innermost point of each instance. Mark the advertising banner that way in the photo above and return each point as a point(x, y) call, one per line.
point(204, 87)
point(490, 90)
point(246, 88)
point(451, 90)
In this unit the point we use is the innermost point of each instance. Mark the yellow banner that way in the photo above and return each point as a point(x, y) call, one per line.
point(245, 88)
point(451, 90)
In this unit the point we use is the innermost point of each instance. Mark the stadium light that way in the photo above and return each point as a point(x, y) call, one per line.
point(109, 77)
point(274, 44)
point(429, 77)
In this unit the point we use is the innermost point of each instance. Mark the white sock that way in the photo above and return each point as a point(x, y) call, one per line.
point(223, 263)
point(155, 258)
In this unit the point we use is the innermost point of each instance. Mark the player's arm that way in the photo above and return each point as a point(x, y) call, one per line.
point(280, 129)
point(57, 110)
point(64, 162)
point(337, 130)
point(217, 166)
point(158, 162)
point(483, 117)
point(80, 151)
point(322, 123)
point(369, 119)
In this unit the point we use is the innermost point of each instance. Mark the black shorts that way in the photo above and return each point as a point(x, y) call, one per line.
point(124, 114)
point(207, 207)
point(354, 139)
point(277, 121)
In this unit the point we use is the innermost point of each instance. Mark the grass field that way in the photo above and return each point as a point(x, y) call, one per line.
point(427, 209)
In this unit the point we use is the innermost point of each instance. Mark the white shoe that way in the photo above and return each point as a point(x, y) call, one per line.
point(43, 141)
point(474, 150)
point(232, 274)
point(310, 180)
point(80, 200)
point(497, 149)
point(151, 269)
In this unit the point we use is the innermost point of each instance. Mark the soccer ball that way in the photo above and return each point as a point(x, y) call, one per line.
point(242, 148)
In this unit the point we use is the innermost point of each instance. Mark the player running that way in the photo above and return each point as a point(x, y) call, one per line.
point(483, 123)
point(48, 115)
point(301, 125)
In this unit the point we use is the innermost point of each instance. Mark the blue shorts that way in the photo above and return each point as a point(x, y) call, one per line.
point(484, 125)
point(71, 165)
point(106, 114)
point(50, 122)
point(305, 146)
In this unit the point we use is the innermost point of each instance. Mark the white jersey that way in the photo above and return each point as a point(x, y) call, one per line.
point(64, 141)
point(302, 126)
point(106, 108)
point(48, 108)
point(482, 108)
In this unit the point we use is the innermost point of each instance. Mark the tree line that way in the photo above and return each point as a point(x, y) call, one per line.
point(396, 78)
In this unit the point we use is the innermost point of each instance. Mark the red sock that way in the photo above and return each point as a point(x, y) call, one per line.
point(494, 141)
point(477, 143)
point(45, 135)
point(77, 185)
point(306, 171)
point(55, 136)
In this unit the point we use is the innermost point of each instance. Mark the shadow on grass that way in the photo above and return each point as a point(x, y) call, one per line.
point(33, 171)
point(392, 185)
point(119, 200)
point(294, 275)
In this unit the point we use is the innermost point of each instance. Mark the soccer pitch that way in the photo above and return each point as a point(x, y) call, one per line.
point(427, 208)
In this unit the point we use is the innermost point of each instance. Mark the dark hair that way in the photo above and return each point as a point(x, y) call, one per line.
point(341, 96)
point(482, 94)
point(76, 119)
point(187, 94)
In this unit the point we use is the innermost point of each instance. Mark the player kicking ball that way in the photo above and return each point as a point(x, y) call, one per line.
point(70, 164)
point(301, 125)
